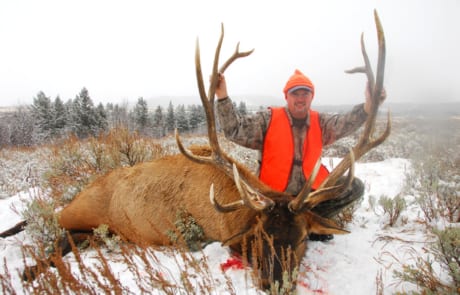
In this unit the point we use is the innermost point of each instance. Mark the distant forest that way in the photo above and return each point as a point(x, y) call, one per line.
point(47, 120)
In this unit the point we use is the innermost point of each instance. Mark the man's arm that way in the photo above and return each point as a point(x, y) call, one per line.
point(248, 130)
point(336, 126)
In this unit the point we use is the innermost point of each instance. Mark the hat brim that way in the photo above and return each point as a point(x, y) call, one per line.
point(299, 87)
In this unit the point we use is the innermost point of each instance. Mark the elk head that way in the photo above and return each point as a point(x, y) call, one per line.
point(274, 241)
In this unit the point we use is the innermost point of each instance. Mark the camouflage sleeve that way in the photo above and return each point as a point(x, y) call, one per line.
point(248, 130)
point(336, 126)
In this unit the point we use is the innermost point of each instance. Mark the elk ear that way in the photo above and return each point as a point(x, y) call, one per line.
point(323, 226)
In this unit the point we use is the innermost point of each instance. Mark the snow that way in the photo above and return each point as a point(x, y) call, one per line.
point(349, 264)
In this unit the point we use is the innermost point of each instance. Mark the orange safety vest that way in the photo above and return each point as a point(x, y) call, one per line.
point(278, 151)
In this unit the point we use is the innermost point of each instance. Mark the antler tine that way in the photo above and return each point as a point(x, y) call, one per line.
point(223, 208)
point(237, 54)
point(306, 200)
point(249, 197)
point(296, 204)
point(218, 156)
point(208, 101)
point(382, 56)
point(366, 69)
point(328, 193)
point(256, 201)
point(365, 142)
point(187, 153)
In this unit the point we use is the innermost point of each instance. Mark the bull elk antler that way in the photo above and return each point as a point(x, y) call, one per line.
point(366, 141)
point(327, 189)
point(219, 158)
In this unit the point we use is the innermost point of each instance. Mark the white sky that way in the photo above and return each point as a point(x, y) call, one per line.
point(122, 50)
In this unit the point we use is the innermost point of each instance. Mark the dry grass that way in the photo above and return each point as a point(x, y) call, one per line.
point(74, 163)
point(171, 270)
point(96, 275)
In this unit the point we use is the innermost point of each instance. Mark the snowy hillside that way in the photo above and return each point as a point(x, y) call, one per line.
point(362, 262)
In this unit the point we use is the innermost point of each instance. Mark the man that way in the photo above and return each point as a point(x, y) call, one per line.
point(291, 139)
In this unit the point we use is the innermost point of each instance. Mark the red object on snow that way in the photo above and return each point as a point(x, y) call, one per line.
point(234, 262)
point(307, 286)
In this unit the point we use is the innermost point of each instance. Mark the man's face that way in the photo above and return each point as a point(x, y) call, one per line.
point(299, 102)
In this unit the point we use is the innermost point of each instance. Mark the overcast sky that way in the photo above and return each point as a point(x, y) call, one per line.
point(123, 50)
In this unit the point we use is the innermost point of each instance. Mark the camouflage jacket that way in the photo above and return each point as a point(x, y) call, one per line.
point(249, 131)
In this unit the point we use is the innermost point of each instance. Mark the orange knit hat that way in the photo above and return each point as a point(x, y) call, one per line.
point(298, 81)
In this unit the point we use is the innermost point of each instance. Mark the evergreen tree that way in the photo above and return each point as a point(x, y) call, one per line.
point(101, 118)
point(59, 117)
point(181, 119)
point(74, 116)
point(159, 122)
point(87, 113)
point(141, 116)
point(196, 117)
point(43, 116)
point(83, 115)
point(170, 118)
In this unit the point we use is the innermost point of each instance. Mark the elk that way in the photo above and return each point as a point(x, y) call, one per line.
point(140, 203)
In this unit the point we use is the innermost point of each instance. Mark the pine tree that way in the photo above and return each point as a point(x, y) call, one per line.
point(193, 119)
point(170, 118)
point(43, 116)
point(141, 116)
point(196, 117)
point(59, 117)
point(101, 118)
point(87, 114)
point(181, 119)
point(83, 115)
point(159, 122)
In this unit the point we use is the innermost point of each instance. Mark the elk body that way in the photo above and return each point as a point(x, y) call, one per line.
point(140, 203)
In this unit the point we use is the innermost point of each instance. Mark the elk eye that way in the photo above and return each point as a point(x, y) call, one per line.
point(269, 208)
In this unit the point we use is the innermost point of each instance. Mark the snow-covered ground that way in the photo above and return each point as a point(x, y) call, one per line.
point(349, 264)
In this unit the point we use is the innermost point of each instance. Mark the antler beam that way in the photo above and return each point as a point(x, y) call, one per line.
point(329, 188)
point(366, 143)
point(217, 157)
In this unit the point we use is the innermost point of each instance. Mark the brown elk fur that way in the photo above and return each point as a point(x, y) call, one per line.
point(140, 203)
